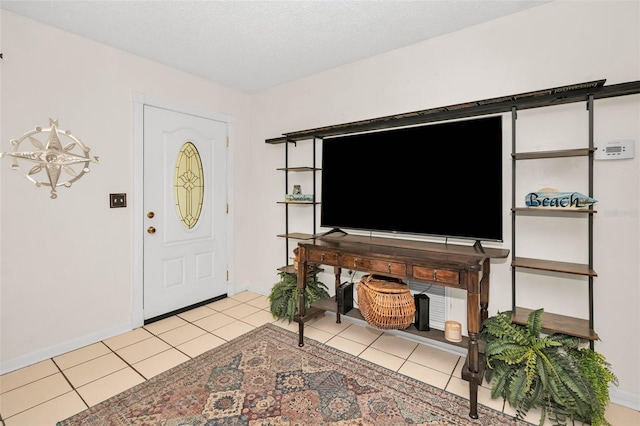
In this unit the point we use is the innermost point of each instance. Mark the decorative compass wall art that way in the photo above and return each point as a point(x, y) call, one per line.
point(61, 152)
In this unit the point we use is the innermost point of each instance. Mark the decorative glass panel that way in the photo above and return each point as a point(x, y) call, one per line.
point(189, 185)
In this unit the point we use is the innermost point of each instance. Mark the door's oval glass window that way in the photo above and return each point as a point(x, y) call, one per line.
point(189, 185)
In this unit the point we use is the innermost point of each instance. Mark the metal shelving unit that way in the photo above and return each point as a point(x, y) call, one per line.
point(554, 323)
point(288, 235)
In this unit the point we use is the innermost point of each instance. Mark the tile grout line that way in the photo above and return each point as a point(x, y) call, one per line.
point(451, 374)
point(209, 332)
point(74, 389)
point(176, 347)
point(405, 359)
point(127, 363)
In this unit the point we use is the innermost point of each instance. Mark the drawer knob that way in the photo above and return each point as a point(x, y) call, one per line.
point(435, 275)
point(322, 257)
point(389, 267)
point(355, 262)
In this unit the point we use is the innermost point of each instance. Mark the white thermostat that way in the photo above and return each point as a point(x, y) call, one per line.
point(614, 150)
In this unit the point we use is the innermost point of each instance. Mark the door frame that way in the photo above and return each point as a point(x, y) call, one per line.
point(136, 200)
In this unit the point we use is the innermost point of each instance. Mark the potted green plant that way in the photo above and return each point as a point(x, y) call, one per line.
point(284, 294)
point(555, 373)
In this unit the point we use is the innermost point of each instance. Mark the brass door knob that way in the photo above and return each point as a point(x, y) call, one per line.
point(151, 230)
point(150, 215)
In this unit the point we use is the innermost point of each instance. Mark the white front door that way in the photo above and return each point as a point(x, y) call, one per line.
point(185, 210)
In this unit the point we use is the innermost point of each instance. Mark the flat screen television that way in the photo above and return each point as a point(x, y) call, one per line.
point(442, 180)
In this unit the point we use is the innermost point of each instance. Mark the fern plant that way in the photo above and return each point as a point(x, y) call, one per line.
point(284, 295)
point(555, 373)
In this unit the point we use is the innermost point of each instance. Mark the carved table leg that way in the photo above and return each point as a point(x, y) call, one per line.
point(484, 292)
point(337, 271)
point(473, 400)
point(300, 334)
point(473, 356)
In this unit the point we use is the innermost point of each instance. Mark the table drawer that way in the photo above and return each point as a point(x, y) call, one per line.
point(327, 258)
point(436, 275)
point(374, 265)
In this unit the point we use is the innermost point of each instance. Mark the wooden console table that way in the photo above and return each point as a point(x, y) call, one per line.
point(464, 267)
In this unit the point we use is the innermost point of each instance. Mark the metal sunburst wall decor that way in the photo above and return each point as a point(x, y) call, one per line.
point(52, 157)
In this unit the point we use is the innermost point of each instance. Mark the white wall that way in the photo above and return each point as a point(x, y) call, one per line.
point(67, 263)
point(551, 45)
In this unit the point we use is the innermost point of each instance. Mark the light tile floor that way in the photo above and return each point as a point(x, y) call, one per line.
point(54, 389)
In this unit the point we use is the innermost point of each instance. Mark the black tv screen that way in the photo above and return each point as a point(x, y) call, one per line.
point(440, 180)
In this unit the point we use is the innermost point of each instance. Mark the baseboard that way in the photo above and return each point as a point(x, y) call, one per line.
point(53, 351)
point(623, 398)
point(252, 289)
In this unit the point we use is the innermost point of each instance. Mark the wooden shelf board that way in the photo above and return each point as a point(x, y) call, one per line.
point(298, 169)
point(290, 269)
point(580, 152)
point(550, 211)
point(554, 323)
point(330, 305)
point(579, 92)
point(467, 250)
point(310, 314)
point(554, 266)
point(297, 236)
point(299, 202)
point(272, 141)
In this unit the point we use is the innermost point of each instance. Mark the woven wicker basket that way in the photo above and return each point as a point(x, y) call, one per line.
point(385, 302)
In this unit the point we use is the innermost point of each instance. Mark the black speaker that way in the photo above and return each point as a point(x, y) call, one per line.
point(344, 294)
point(422, 312)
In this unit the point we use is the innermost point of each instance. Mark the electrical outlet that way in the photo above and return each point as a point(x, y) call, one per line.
point(117, 200)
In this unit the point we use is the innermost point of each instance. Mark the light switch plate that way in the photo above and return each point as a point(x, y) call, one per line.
point(615, 150)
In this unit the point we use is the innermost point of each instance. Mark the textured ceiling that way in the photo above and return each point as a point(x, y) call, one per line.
point(254, 45)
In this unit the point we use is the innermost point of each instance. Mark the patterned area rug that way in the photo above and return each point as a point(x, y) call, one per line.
point(264, 379)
